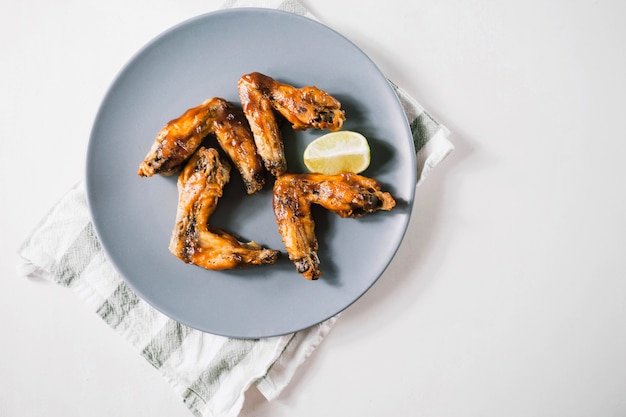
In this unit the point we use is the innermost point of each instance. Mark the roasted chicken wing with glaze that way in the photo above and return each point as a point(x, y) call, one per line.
point(177, 141)
point(193, 240)
point(347, 194)
point(304, 108)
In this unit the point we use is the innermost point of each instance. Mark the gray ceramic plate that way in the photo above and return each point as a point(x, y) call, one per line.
point(202, 58)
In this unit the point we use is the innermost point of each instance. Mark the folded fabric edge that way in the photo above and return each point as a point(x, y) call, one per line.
point(297, 351)
point(38, 261)
point(28, 269)
point(432, 153)
point(231, 405)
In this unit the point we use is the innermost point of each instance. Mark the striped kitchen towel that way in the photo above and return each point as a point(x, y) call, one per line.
point(210, 373)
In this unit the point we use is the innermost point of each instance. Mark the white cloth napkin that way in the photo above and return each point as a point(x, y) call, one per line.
point(211, 373)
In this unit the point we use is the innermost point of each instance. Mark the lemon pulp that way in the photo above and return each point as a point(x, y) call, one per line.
point(336, 152)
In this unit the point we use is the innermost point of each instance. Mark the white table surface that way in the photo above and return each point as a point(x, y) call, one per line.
point(508, 294)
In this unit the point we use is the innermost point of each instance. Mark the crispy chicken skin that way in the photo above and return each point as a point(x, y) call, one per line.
point(177, 141)
point(347, 194)
point(193, 240)
point(304, 108)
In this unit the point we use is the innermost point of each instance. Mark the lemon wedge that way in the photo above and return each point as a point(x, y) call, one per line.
point(336, 152)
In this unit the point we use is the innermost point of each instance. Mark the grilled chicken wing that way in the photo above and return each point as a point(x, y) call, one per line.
point(348, 195)
point(304, 108)
point(177, 141)
point(193, 240)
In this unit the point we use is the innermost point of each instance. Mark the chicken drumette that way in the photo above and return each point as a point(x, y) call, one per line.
point(304, 108)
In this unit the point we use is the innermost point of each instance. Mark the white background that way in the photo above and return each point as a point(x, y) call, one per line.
point(508, 294)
